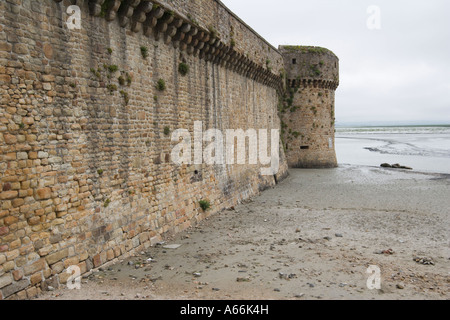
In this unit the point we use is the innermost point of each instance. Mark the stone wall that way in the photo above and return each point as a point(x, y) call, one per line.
point(308, 111)
point(85, 168)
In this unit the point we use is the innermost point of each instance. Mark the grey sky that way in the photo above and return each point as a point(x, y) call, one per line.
point(400, 73)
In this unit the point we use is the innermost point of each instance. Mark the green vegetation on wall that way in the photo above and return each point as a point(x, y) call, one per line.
point(183, 69)
point(161, 85)
point(205, 205)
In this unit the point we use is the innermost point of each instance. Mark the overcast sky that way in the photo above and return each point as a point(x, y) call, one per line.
point(398, 73)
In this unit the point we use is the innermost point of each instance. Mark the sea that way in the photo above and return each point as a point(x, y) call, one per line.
point(425, 148)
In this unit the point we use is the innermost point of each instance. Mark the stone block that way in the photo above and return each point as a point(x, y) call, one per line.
point(63, 277)
point(4, 231)
point(15, 244)
point(48, 78)
point(6, 280)
point(42, 155)
point(110, 255)
point(15, 287)
point(20, 48)
point(55, 238)
point(21, 261)
point(35, 267)
point(58, 256)
point(17, 202)
point(10, 139)
point(5, 79)
point(97, 260)
point(43, 194)
point(45, 250)
point(89, 265)
point(47, 272)
point(83, 267)
point(10, 220)
point(48, 50)
point(36, 278)
point(9, 195)
point(5, 46)
point(32, 292)
point(17, 274)
point(11, 255)
point(21, 295)
point(57, 268)
point(71, 262)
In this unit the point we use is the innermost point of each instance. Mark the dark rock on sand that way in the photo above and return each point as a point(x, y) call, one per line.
point(395, 166)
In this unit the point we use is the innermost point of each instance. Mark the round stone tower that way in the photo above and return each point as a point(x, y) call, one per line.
point(308, 110)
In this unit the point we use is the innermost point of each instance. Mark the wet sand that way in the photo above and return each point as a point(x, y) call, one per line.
point(312, 237)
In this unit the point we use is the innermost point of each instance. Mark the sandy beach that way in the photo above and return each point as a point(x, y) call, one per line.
point(312, 237)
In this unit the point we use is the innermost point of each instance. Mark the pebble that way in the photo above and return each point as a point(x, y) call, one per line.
point(400, 286)
point(339, 235)
point(424, 261)
point(387, 252)
point(301, 295)
point(286, 276)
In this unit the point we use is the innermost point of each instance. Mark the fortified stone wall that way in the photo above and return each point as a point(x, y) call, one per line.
point(85, 122)
point(308, 111)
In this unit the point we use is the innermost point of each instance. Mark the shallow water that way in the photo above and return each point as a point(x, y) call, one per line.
point(425, 149)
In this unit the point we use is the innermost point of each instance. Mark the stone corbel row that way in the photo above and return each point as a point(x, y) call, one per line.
point(162, 23)
point(311, 83)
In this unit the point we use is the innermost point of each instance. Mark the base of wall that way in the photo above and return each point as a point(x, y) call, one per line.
point(313, 160)
point(313, 166)
point(60, 280)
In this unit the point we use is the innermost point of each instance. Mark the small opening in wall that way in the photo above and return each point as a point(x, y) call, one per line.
point(294, 61)
point(196, 172)
point(304, 147)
